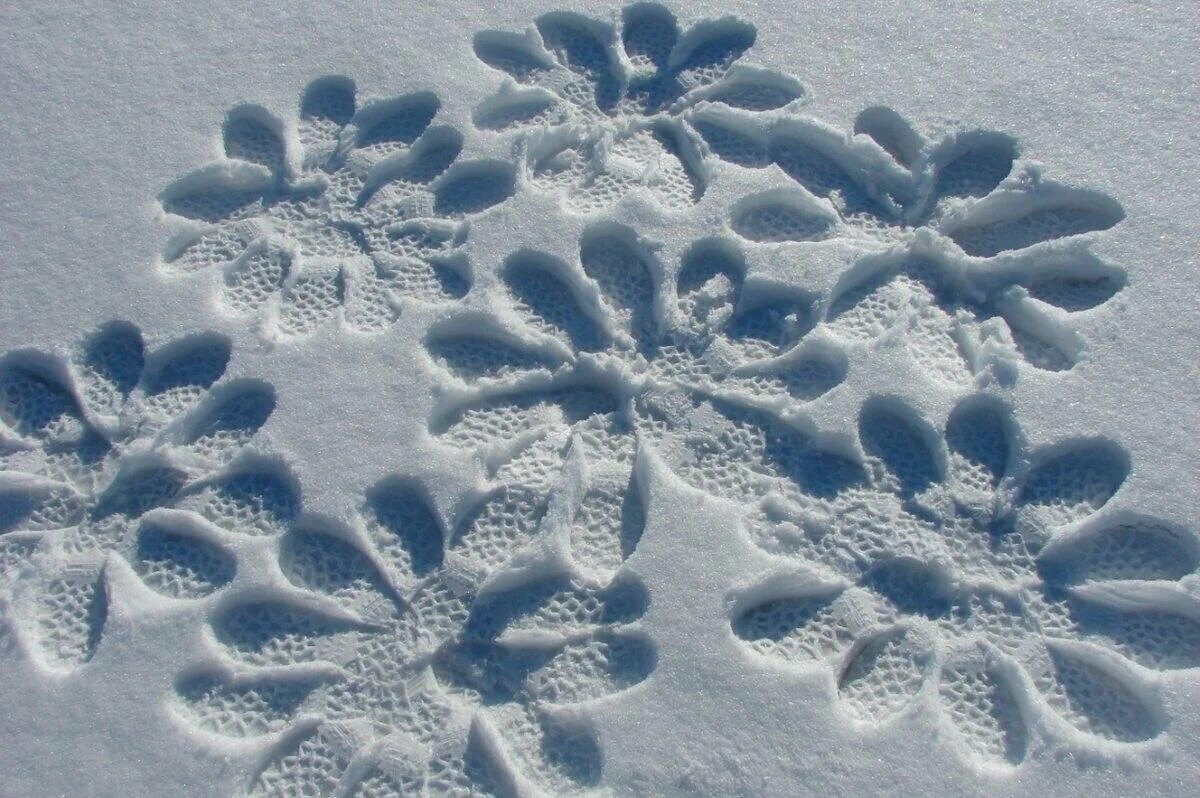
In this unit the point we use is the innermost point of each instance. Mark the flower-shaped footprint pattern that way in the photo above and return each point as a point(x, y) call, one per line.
point(391, 657)
point(104, 451)
point(984, 580)
point(598, 109)
point(984, 252)
point(347, 213)
point(588, 374)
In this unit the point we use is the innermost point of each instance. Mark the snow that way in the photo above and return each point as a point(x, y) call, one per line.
point(109, 105)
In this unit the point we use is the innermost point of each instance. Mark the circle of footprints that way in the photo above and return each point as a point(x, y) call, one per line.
point(392, 657)
point(597, 108)
point(346, 212)
point(102, 452)
point(965, 573)
point(584, 371)
point(976, 251)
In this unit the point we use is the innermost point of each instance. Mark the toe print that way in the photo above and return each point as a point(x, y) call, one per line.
point(370, 210)
point(983, 580)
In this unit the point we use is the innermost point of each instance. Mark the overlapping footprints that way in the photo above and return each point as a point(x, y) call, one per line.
point(982, 252)
point(102, 451)
point(398, 657)
point(339, 216)
point(597, 106)
point(592, 373)
point(996, 592)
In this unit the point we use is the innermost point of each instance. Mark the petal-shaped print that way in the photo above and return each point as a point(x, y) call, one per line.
point(328, 99)
point(177, 375)
point(557, 609)
point(1074, 482)
point(475, 357)
point(1157, 638)
point(649, 34)
point(799, 629)
point(1143, 548)
point(513, 107)
point(311, 763)
point(110, 364)
point(252, 134)
point(1077, 285)
point(213, 194)
point(277, 632)
point(819, 171)
point(774, 219)
point(623, 276)
point(231, 417)
point(179, 564)
point(404, 529)
point(70, 613)
point(583, 46)
point(508, 417)
point(512, 53)
point(250, 501)
point(593, 668)
point(469, 187)
point(608, 524)
point(979, 437)
point(39, 508)
point(326, 107)
point(389, 126)
point(982, 705)
point(973, 165)
point(429, 156)
point(496, 528)
point(35, 404)
point(895, 434)
point(138, 489)
point(564, 757)
point(215, 247)
point(767, 327)
point(1093, 696)
point(328, 564)
point(885, 675)
point(707, 51)
point(733, 139)
point(547, 301)
point(1025, 224)
point(753, 89)
point(242, 707)
point(892, 132)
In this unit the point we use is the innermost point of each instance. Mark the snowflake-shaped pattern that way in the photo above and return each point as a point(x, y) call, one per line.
point(983, 578)
point(599, 107)
point(391, 657)
point(973, 236)
point(104, 451)
point(354, 209)
point(707, 371)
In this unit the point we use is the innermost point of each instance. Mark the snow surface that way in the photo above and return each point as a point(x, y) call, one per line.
point(108, 105)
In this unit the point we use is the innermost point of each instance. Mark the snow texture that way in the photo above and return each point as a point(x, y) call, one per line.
point(584, 398)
